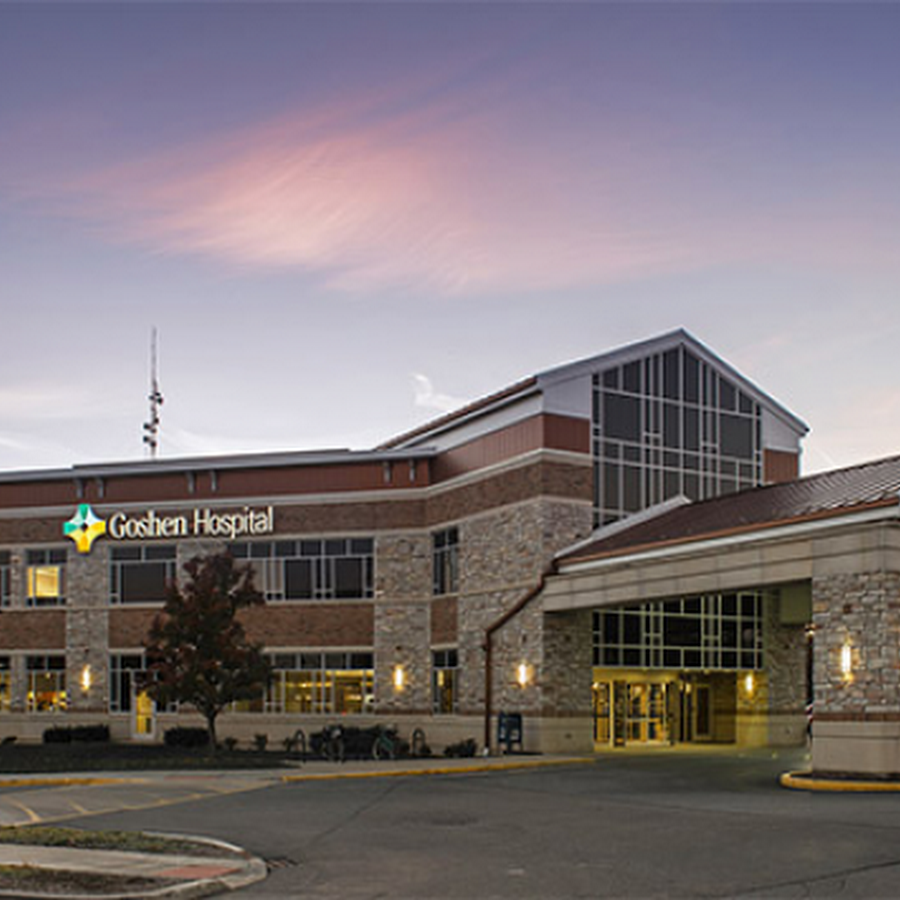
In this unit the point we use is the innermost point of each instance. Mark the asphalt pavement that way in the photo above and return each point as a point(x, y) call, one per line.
point(687, 823)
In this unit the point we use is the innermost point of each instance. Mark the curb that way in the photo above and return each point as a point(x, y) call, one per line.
point(439, 770)
point(805, 781)
point(255, 870)
point(66, 782)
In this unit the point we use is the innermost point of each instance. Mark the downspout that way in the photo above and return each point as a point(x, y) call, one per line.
point(488, 646)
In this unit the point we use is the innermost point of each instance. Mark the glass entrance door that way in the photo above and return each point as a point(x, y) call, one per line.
point(143, 721)
point(602, 721)
point(647, 719)
point(696, 712)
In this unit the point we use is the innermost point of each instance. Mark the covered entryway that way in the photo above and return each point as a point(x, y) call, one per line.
point(823, 553)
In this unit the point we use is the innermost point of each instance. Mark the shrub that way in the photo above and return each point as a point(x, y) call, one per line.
point(462, 749)
point(58, 735)
point(230, 744)
point(260, 741)
point(186, 737)
point(91, 734)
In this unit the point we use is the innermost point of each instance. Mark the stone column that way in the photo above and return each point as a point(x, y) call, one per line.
point(87, 630)
point(857, 707)
point(403, 623)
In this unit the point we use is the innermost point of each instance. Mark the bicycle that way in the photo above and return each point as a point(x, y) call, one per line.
point(387, 745)
point(334, 747)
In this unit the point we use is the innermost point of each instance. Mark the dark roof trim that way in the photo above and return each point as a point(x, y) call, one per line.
point(219, 464)
point(524, 388)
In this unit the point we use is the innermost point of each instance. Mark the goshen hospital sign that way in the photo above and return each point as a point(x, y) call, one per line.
point(85, 526)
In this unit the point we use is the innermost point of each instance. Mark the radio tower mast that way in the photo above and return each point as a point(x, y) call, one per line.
point(151, 428)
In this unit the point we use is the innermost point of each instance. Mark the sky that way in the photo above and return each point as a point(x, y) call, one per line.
point(345, 219)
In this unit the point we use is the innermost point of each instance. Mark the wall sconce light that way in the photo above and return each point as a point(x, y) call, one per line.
point(523, 675)
point(749, 684)
point(847, 662)
point(87, 678)
point(399, 678)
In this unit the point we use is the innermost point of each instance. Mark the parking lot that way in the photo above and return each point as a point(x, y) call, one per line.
point(651, 824)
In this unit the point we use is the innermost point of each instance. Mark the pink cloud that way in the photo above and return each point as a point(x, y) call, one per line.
point(450, 197)
point(432, 198)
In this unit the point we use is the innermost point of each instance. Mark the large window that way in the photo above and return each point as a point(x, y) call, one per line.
point(715, 631)
point(5, 578)
point(444, 667)
point(46, 683)
point(124, 669)
point(670, 424)
point(332, 568)
point(46, 577)
point(140, 574)
point(5, 685)
point(445, 561)
point(328, 683)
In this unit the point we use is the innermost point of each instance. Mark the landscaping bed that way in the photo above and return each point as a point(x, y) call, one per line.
point(20, 759)
point(16, 880)
point(61, 882)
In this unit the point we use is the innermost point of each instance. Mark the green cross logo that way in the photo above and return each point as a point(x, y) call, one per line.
point(84, 528)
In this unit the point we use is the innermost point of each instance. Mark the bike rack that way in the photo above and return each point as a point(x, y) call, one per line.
point(417, 742)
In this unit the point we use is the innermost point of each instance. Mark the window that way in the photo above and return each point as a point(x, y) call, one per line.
point(715, 631)
point(124, 669)
point(5, 684)
point(46, 683)
point(5, 584)
point(46, 577)
point(327, 683)
point(670, 415)
point(334, 568)
point(445, 560)
point(140, 574)
point(444, 666)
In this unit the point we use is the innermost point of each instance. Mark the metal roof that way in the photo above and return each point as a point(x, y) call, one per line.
point(828, 493)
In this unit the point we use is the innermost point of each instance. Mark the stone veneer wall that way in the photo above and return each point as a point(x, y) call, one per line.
point(862, 611)
point(87, 630)
point(857, 714)
point(785, 662)
point(402, 622)
point(503, 555)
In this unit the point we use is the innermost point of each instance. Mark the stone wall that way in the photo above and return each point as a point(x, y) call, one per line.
point(402, 623)
point(786, 676)
point(503, 556)
point(87, 631)
point(861, 611)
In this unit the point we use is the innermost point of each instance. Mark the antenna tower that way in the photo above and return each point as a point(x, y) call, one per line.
point(151, 428)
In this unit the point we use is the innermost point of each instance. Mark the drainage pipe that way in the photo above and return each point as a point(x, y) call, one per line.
point(488, 646)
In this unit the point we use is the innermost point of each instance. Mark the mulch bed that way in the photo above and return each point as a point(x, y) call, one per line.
point(20, 759)
point(67, 884)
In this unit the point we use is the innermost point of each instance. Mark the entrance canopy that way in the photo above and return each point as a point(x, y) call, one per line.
point(829, 543)
point(842, 521)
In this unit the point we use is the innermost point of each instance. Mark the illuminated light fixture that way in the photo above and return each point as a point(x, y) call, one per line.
point(87, 679)
point(399, 678)
point(749, 684)
point(846, 661)
point(522, 675)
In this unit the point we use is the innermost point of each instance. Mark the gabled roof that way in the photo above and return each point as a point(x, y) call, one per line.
point(659, 344)
point(616, 357)
point(868, 485)
point(513, 392)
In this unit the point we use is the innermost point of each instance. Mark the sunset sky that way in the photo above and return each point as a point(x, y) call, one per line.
point(346, 218)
